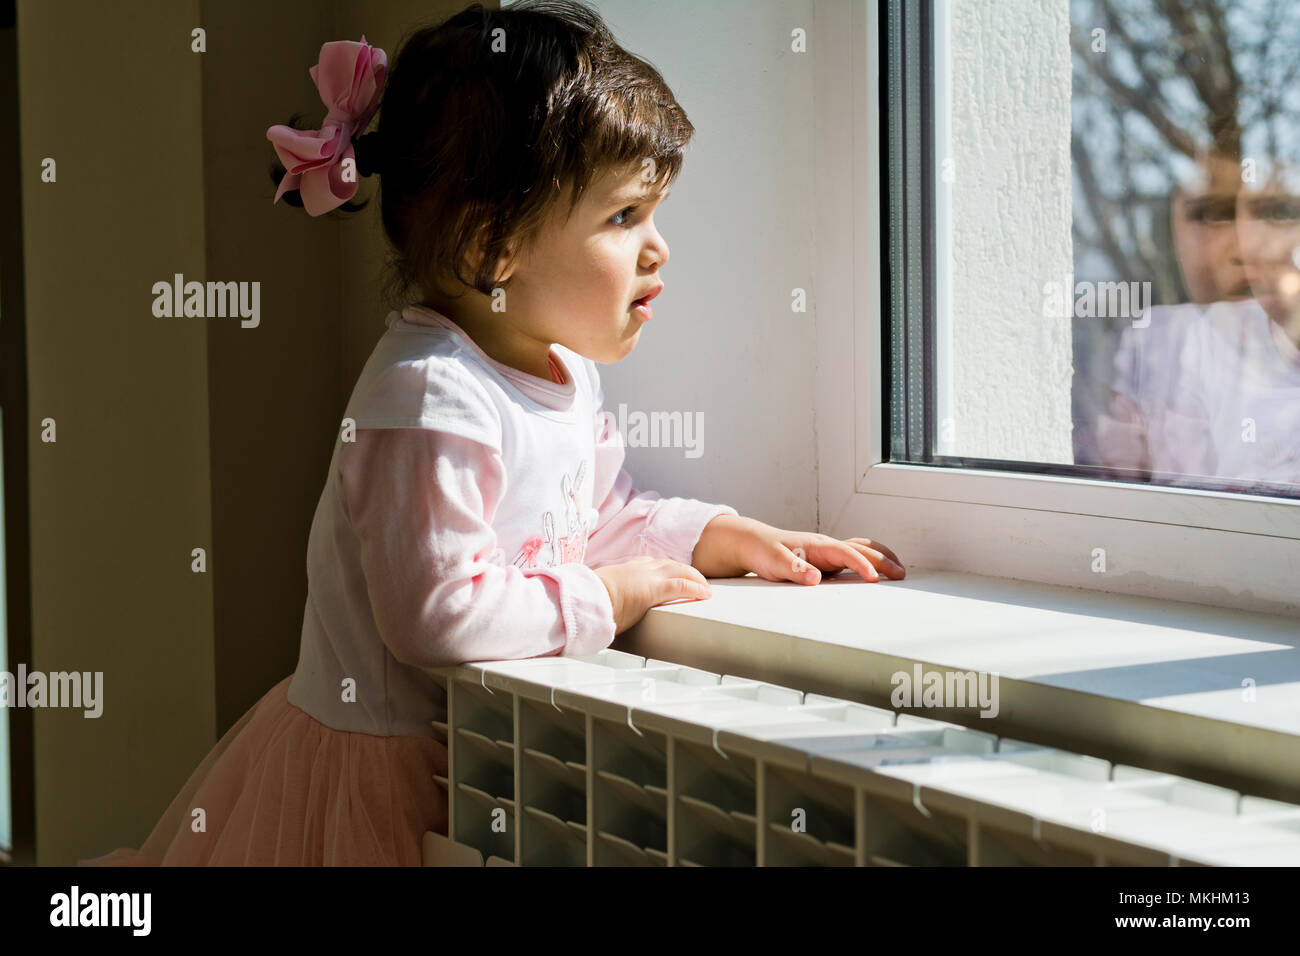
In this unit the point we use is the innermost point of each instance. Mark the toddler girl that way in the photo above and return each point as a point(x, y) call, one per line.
point(476, 507)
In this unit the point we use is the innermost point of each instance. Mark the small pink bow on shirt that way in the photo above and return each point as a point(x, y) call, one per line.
point(349, 77)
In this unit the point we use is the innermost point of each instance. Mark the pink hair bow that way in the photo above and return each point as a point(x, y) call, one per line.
point(349, 77)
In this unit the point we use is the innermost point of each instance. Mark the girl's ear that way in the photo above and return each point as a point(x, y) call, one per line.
point(506, 260)
point(510, 268)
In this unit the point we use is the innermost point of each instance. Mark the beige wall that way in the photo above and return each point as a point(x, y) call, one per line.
point(175, 433)
point(273, 397)
point(121, 498)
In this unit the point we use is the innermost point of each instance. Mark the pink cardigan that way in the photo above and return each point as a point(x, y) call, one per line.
point(426, 545)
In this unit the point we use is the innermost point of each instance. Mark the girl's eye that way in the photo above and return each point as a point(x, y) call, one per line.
point(614, 218)
point(1212, 211)
point(1278, 210)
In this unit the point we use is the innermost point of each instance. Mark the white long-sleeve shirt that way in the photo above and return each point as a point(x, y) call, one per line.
point(463, 524)
point(1206, 391)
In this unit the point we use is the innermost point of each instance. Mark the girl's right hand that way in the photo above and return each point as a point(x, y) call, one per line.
point(638, 585)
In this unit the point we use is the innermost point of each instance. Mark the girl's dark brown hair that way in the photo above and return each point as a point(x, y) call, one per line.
point(489, 117)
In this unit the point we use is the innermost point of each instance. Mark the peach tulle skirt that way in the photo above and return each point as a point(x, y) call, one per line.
point(282, 789)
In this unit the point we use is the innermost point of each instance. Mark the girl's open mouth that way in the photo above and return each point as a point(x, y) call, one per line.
point(641, 306)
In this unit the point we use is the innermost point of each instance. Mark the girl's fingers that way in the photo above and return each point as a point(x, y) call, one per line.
point(833, 556)
point(692, 572)
point(856, 560)
point(885, 563)
point(683, 587)
point(807, 564)
point(877, 546)
point(697, 585)
point(793, 565)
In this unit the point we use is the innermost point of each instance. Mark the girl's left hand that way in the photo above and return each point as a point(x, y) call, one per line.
point(804, 556)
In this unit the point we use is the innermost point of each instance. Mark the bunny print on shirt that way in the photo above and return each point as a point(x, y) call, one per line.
point(546, 550)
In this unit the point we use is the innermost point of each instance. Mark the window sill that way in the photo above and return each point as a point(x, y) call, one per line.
point(1140, 681)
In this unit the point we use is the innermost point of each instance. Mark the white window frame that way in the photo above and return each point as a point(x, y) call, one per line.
point(1231, 550)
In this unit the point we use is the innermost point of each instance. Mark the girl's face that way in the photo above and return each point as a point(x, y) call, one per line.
point(576, 282)
point(1205, 240)
point(1268, 228)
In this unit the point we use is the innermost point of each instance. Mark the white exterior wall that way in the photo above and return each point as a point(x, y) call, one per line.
point(1011, 216)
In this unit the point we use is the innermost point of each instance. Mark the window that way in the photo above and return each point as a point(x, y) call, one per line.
point(1102, 228)
point(1053, 323)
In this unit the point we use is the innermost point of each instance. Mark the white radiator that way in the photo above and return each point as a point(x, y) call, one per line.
point(615, 760)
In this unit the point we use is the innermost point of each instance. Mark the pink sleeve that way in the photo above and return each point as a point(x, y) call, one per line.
point(1122, 435)
point(631, 523)
point(421, 503)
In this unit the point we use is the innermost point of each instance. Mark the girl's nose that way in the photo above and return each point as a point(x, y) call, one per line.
point(656, 252)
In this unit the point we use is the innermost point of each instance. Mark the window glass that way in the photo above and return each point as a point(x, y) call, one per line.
point(1114, 216)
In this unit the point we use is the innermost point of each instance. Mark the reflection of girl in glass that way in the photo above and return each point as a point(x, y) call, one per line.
point(1212, 388)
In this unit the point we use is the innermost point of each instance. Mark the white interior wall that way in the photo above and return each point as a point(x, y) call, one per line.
point(741, 226)
point(724, 341)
